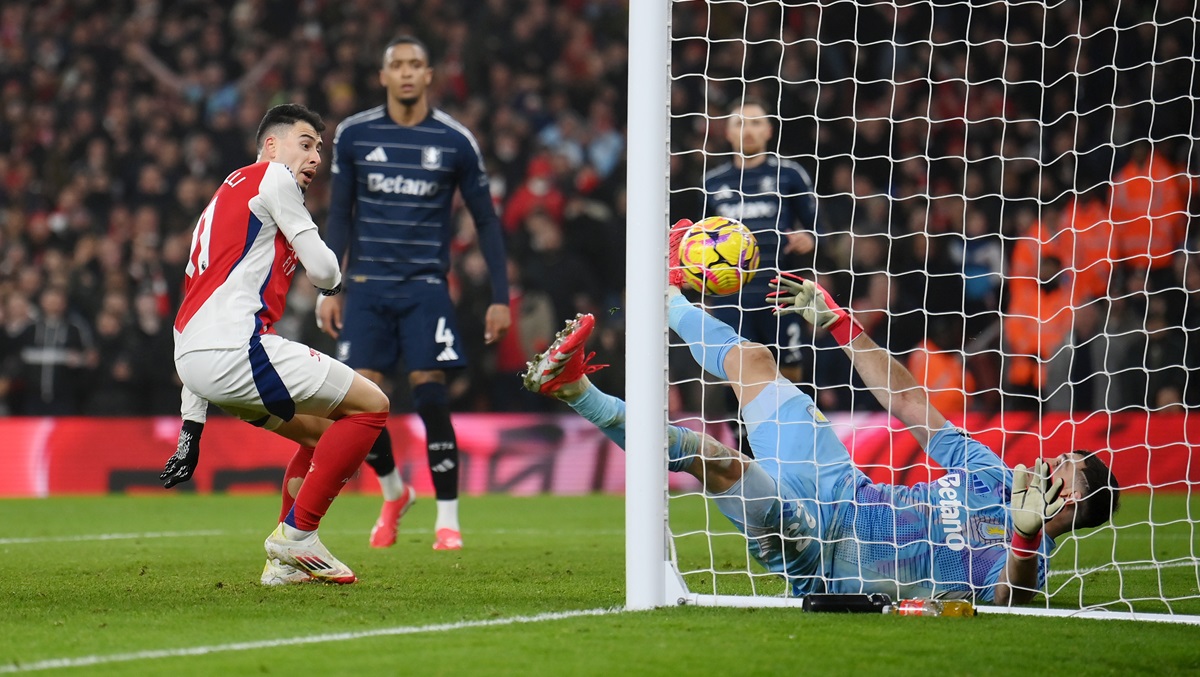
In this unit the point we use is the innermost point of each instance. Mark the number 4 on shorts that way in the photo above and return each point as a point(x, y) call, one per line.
point(444, 336)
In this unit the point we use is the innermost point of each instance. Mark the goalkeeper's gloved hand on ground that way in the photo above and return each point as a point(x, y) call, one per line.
point(795, 294)
point(183, 462)
point(1035, 499)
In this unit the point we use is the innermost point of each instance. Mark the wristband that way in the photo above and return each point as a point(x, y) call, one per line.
point(1024, 547)
point(845, 329)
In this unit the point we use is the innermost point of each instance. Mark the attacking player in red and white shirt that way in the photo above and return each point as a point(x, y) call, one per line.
point(244, 254)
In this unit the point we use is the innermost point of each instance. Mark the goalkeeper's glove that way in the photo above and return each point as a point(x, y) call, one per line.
point(331, 292)
point(183, 462)
point(1035, 499)
point(795, 294)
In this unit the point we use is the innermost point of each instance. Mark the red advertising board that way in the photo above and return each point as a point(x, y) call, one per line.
point(552, 453)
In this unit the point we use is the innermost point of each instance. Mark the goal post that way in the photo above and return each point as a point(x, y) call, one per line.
point(957, 143)
point(646, 280)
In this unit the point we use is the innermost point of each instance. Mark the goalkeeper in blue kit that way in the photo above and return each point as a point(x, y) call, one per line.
point(981, 530)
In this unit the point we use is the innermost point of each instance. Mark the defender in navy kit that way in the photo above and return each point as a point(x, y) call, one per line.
point(774, 198)
point(395, 170)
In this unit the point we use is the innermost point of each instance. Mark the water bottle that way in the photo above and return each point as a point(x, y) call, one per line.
point(931, 607)
point(847, 603)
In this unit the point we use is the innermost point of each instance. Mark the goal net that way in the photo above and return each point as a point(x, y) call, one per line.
point(1001, 193)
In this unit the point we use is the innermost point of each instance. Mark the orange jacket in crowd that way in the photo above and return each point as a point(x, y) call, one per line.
point(1091, 261)
point(1081, 239)
point(944, 376)
point(1149, 211)
point(1038, 323)
point(1044, 238)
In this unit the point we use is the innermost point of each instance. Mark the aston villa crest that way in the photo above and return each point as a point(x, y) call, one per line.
point(431, 157)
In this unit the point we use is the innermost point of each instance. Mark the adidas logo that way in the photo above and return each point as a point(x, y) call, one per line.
point(447, 354)
point(377, 155)
point(312, 562)
point(445, 466)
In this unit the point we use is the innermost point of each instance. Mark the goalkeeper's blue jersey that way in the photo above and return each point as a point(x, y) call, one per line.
point(943, 538)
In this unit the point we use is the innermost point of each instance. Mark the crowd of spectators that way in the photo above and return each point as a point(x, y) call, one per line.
point(120, 119)
point(1006, 191)
point(947, 177)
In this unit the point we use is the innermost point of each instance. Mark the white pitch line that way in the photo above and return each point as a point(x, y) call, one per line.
point(82, 661)
point(111, 537)
point(223, 532)
point(1122, 567)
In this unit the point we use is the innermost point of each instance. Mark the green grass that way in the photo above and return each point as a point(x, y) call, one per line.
point(524, 556)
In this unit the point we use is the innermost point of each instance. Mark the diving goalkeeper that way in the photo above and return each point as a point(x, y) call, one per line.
point(809, 514)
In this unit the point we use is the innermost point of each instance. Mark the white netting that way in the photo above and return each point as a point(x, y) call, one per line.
point(1003, 196)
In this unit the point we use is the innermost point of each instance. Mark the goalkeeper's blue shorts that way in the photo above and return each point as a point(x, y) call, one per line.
point(794, 442)
point(796, 445)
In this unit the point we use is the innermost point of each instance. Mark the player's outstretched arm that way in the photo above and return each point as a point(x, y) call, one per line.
point(887, 379)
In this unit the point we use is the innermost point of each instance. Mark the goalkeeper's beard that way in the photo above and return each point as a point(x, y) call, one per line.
point(408, 102)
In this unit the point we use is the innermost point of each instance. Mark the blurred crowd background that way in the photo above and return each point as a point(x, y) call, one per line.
point(1006, 192)
point(1016, 215)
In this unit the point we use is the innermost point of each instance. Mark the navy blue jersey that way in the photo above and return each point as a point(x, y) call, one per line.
point(776, 196)
point(393, 190)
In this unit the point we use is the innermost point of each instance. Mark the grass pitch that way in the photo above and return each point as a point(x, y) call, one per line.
point(169, 584)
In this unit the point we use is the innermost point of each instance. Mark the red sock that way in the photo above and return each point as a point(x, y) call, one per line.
point(297, 467)
point(337, 457)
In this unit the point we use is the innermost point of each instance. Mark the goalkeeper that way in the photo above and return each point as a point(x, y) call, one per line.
point(808, 513)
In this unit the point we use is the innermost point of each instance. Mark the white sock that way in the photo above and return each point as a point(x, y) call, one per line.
point(293, 534)
point(392, 485)
point(447, 515)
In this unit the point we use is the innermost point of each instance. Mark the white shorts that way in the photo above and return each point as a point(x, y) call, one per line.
point(269, 382)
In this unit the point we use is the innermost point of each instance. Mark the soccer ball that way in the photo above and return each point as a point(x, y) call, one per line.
point(718, 256)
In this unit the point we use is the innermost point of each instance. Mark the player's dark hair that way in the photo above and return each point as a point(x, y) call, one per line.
point(410, 40)
point(286, 115)
point(1101, 493)
point(738, 104)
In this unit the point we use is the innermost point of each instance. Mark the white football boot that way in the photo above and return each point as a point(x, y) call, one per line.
point(309, 555)
point(278, 573)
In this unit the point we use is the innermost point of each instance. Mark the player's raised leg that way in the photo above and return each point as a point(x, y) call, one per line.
point(743, 492)
point(561, 371)
point(747, 367)
point(715, 345)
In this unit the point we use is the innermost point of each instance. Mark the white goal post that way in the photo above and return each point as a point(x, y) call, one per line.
point(1148, 581)
point(645, 366)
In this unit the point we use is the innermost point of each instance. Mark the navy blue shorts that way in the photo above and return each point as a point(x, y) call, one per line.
point(417, 323)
